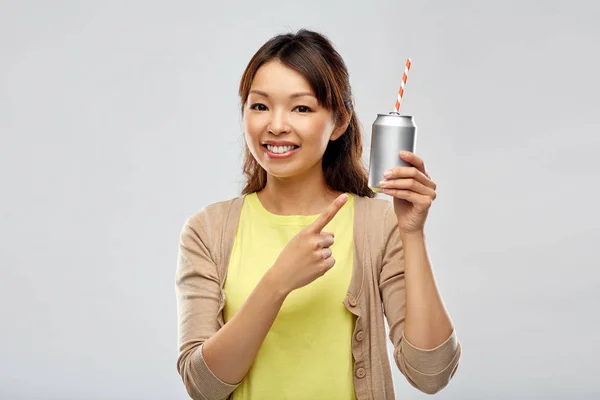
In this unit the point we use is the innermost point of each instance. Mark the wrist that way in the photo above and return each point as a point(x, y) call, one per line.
point(412, 236)
point(274, 285)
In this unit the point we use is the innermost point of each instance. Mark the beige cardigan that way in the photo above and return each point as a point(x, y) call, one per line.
point(376, 290)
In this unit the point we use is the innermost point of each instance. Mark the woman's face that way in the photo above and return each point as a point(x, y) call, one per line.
point(286, 129)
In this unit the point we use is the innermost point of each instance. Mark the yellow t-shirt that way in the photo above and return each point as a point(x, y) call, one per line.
point(307, 352)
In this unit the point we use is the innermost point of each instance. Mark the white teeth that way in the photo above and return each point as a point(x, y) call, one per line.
point(280, 149)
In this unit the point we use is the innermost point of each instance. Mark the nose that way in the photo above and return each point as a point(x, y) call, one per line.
point(278, 123)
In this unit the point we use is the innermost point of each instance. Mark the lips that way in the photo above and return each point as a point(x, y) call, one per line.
point(279, 143)
point(280, 151)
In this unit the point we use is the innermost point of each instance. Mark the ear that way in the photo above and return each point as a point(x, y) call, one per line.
point(340, 129)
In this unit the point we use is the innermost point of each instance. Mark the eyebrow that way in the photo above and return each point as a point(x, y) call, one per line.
point(292, 96)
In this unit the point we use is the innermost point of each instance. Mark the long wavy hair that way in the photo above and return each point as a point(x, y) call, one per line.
point(312, 55)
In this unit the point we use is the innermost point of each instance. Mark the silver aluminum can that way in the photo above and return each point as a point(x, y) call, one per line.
point(390, 134)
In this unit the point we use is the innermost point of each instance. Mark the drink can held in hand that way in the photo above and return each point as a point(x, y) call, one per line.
point(390, 134)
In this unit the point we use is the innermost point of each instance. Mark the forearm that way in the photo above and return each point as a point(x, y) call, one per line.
point(427, 323)
point(231, 351)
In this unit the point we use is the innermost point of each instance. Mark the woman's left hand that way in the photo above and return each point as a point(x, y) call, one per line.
point(413, 192)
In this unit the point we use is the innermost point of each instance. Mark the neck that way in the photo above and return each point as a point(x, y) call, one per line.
point(308, 194)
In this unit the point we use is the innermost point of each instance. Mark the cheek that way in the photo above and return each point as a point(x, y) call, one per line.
point(253, 128)
point(319, 133)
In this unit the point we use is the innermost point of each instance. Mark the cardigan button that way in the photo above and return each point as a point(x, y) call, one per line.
point(352, 301)
point(360, 373)
point(360, 336)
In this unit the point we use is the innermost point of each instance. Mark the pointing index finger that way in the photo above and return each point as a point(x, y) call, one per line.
point(322, 220)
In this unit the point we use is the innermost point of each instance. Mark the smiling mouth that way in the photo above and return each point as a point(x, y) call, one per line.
point(280, 149)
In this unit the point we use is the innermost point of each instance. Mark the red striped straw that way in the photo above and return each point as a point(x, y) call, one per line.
point(401, 91)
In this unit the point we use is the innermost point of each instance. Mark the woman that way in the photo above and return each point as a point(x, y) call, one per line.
point(282, 292)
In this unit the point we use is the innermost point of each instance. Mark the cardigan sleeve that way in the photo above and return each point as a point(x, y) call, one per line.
point(429, 370)
point(198, 295)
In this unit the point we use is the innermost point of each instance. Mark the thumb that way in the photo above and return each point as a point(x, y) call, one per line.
point(327, 215)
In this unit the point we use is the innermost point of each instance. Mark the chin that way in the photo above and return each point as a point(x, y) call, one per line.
point(288, 171)
point(282, 173)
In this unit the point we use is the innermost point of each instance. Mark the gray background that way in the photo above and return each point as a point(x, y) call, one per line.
point(120, 119)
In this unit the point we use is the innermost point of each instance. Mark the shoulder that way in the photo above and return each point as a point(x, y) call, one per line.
point(377, 208)
point(376, 217)
point(212, 216)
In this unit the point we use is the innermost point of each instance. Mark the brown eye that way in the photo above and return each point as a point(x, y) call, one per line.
point(258, 107)
point(303, 109)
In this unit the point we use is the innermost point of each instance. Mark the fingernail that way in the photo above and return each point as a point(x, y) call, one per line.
point(387, 174)
point(344, 197)
point(382, 183)
point(404, 153)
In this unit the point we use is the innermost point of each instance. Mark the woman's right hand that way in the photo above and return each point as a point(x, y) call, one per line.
point(307, 255)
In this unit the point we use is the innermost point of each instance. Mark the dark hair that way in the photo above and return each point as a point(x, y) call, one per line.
point(312, 55)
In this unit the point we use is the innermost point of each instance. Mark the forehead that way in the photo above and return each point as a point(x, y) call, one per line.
point(275, 76)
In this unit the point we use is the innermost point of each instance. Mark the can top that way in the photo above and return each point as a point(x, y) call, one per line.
point(394, 114)
point(395, 119)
